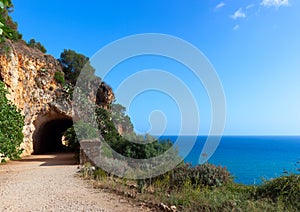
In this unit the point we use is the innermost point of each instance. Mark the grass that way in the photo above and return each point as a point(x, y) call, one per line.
point(280, 194)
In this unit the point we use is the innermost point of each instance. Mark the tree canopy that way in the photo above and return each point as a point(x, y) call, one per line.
point(34, 44)
point(73, 63)
point(120, 118)
point(8, 28)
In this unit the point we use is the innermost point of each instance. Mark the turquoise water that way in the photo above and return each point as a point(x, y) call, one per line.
point(251, 159)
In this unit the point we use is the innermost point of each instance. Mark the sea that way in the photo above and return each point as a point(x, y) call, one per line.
point(249, 159)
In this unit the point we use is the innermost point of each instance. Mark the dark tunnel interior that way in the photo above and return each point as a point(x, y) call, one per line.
point(49, 136)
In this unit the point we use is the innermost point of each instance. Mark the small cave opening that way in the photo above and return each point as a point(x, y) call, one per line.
point(48, 137)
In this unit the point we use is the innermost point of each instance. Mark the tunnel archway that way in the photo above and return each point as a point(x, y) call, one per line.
point(48, 134)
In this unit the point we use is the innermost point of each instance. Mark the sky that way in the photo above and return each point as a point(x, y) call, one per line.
point(253, 45)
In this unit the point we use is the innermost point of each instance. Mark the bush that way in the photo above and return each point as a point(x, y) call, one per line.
point(8, 28)
point(205, 175)
point(209, 175)
point(11, 126)
point(285, 189)
point(59, 77)
point(83, 130)
point(37, 45)
point(179, 175)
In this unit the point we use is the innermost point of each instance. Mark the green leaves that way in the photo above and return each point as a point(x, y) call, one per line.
point(1, 25)
point(59, 77)
point(11, 126)
point(8, 28)
point(5, 3)
point(37, 45)
point(74, 64)
point(285, 189)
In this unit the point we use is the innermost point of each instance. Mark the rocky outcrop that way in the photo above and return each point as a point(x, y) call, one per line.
point(30, 78)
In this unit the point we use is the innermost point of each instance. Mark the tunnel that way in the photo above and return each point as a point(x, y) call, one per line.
point(48, 135)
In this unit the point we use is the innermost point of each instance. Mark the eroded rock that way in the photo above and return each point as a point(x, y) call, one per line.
point(29, 76)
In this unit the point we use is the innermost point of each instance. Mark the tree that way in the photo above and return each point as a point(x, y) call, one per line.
point(73, 63)
point(33, 44)
point(11, 126)
point(8, 28)
point(120, 118)
point(132, 145)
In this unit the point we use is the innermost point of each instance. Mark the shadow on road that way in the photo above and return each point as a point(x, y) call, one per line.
point(55, 159)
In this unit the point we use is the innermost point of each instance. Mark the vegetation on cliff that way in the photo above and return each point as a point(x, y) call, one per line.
point(11, 126)
point(11, 120)
point(35, 44)
point(73, 64)
point(107, 120)
point(8, 28)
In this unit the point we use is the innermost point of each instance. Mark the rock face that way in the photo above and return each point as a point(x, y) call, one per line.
point(30, 78)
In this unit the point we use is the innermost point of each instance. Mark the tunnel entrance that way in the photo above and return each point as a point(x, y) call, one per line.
point(48, 135)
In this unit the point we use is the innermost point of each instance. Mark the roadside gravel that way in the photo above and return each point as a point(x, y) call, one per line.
point(48, 183)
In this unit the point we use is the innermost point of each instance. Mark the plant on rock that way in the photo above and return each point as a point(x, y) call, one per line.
point(11, 126)
point(37, 45)
point(8, 28)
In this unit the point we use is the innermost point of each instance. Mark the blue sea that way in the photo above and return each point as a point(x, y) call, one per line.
point(250, 159)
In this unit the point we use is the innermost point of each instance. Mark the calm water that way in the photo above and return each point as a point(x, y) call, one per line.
point(250, 159)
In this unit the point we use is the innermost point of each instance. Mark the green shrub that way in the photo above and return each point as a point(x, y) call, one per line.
point(209, 175)
point(83, 131)
point(100, 174)
point(285, 189)
point(11, 126)
point(59, 77)
point(179, 175)
point(8, 28)
point(37, 45)
point(205, 175)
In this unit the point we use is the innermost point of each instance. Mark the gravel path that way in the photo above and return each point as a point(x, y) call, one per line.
point(47, 183)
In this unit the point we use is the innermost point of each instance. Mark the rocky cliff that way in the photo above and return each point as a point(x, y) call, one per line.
point(30, 78)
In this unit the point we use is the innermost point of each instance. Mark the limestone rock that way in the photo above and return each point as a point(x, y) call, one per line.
point(29, 77)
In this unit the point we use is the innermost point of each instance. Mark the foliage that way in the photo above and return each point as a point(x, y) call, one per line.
point(284, 189)
point(73, 64)
point(83, 131)
point(107, 127)
point(37, 45)
point(71, 139)
point(209, 175)
point(59, 77)
point(8, 28)
point(229, 197)
point(11, 126)
point(132, 145)
point(205, 175)
point(119, 118)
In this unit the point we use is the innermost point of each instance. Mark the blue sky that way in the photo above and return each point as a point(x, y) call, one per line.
point(254, 47)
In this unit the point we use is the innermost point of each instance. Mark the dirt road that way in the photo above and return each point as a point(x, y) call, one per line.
point(47, 183)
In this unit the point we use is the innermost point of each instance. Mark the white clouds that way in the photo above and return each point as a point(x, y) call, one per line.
point(274, 3)
point(236, 27)
point(247, 11)
point(250, 6)
point(220, 5)
point(238, 14)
